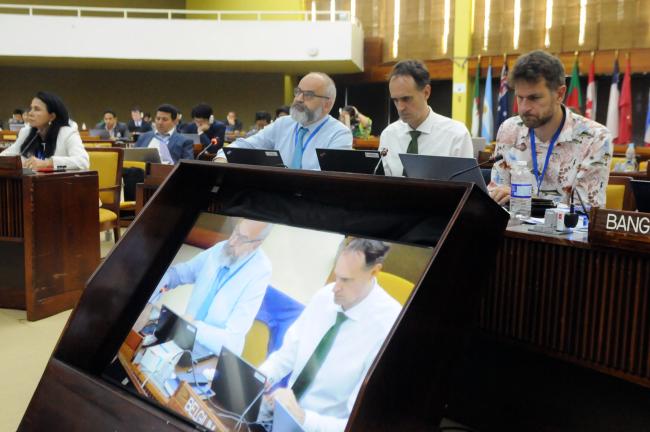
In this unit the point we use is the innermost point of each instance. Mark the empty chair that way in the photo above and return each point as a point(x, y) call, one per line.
point(108, 164)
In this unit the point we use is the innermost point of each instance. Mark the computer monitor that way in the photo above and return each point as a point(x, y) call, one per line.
point(144, 154)
point(99, 133)
point(253, 156)
point(436, 231)
point(352, 161)
point(194, 137)
point(443, 168)
point(283, 287)
point(238, 386)
point(641, 190)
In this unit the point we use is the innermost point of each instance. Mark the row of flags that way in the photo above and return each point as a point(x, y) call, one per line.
point(482, 114)
point(619, 108)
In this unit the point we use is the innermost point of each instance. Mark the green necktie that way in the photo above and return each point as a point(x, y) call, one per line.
point(316, 360)
point(413, 145)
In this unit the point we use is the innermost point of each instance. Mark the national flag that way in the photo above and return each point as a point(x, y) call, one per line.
point(502, 107)
point(476, 101)
point(612, 106)
point(590, 111)
point(647, 124)
point(487, 120)
point(574, 95)
point(625, 108)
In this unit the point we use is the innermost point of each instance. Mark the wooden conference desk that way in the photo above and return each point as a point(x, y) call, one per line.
point(569, 299)
point(184, 401)
point(49, 238)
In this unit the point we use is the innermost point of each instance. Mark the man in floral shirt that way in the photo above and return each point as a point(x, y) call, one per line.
point(571, 151)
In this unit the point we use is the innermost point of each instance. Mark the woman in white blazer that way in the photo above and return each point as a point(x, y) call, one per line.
point(49, 141)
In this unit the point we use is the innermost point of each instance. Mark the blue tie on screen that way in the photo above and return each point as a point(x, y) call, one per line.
point(297, 153)
point(216, 286)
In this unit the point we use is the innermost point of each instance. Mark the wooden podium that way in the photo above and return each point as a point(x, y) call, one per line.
point(49, 239)
point(406, 387)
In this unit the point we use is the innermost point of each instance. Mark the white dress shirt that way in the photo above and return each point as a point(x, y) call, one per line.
point(441, 136)
point(329, 400)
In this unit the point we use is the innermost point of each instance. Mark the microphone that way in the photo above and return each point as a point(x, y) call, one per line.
point(213, 141)
point(493, 159)
point(571, 218)
point(23, 152)
point(382, 153)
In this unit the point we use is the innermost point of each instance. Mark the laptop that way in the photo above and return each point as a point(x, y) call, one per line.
point(194, 137)
point(641, 190)
point(283, 421)
point(142, 154)
point(100, 133)
point(442, 168)
point(351, 161)
point(238, 387)
point(171, 326)
point(253, 156)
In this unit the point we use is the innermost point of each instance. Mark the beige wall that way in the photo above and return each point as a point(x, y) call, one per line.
point(88, 92)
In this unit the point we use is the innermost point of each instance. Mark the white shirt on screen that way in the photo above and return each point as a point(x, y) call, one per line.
point(441, 136)
point(329, 400)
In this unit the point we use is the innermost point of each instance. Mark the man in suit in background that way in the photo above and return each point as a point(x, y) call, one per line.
point(171, 145)
point(137, 124)
point(207, 131)
point(115, 128)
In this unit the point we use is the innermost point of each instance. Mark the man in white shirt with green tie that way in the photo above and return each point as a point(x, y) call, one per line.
point(329, 349)
point(419, 129)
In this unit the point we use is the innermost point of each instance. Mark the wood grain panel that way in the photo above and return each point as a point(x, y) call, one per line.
point(11, 205)
point(585, 305)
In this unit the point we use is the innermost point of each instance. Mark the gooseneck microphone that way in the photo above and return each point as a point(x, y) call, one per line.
point(493, 159)
point(23, 152)
point(382, 153)
point(213, 142)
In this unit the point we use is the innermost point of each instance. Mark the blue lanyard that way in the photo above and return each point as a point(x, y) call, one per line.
point(539, 176)
point(304, 145)
point(230, 274)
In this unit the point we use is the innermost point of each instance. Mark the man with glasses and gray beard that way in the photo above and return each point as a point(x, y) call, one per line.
point(230, 280)
point(308, 127)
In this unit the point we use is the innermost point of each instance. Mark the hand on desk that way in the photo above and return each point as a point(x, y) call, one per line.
point(501, 194)
point(35, 163)
point(220, 160)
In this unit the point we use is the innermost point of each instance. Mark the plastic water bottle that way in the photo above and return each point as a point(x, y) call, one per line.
point(630, 158)
point(521, 190)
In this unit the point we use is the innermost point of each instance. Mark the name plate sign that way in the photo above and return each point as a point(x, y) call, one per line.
point(625, 229)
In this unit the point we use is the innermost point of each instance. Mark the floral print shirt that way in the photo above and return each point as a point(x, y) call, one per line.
point(581, 158)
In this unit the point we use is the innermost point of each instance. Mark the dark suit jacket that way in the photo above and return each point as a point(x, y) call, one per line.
point(179, 146)
point(217, 130)
point(144, 126)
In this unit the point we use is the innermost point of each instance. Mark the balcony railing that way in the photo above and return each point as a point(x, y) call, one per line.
point(104, 12)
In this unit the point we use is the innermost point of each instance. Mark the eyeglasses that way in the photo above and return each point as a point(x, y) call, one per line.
point(242, 239)
point(307, 94)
